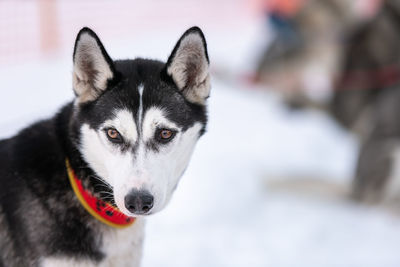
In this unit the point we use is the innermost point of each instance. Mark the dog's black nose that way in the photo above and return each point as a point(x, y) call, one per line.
point(139, 201)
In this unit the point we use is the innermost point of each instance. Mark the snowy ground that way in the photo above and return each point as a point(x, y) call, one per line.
point(234, 206)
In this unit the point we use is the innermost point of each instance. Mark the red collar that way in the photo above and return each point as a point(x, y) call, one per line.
point(98, 208)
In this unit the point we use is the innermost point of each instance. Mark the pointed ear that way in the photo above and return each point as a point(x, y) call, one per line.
point(188, 66)
point(93, 67)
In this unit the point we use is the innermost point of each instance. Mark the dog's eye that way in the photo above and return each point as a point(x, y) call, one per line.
point(165, 135)
point(113, 135)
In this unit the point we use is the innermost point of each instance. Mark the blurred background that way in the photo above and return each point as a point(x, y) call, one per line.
point(299, 164)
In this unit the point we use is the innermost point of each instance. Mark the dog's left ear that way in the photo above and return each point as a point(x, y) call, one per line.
point(93, 67)
point(188, 66)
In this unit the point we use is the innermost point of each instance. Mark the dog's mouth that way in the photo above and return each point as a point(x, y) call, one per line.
point(135, 215)
point(143, 216)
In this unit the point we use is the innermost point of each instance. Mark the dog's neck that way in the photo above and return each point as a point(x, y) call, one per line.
point(99, 208)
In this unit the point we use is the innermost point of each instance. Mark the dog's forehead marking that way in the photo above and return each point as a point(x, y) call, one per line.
point(124, 122)
point(140, 110)
point(154, 117)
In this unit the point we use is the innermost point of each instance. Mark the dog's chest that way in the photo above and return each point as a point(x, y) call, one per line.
point(121, 247)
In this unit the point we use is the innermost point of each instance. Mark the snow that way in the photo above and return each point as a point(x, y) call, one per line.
point(236, 204)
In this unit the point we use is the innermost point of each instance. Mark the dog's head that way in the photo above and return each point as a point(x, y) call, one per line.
point(139, 120)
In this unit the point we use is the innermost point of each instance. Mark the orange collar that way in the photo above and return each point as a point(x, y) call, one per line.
point(98, 208)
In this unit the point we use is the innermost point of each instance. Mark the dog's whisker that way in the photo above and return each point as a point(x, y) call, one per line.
point(100, 179)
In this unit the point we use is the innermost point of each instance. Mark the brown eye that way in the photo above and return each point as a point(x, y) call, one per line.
point(113, 135)
point(165, 134)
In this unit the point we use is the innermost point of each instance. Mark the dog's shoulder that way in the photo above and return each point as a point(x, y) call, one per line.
point(30, 149)
point(32, 156)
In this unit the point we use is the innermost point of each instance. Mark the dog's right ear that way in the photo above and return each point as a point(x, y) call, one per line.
point(93, 67)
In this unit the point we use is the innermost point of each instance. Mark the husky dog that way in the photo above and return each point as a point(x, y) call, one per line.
point(367, 100)
point(75, 189)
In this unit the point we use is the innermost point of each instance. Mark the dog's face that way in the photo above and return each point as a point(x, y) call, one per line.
point(139, 119)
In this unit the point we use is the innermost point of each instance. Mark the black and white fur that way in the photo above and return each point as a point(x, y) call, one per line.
point(41, 221)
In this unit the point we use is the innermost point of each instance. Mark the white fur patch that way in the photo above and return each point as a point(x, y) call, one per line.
point(123, 247)
point(140, 110)
point(91, 70)
point(95, 150)
point(65, 262)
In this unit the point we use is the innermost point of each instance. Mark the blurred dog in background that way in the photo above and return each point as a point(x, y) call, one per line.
point(366, 99)
point(355, 67)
